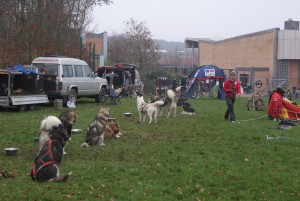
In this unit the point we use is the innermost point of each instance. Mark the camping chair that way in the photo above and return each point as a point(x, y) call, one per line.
point(113, 98)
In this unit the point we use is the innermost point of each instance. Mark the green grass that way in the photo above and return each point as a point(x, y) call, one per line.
point(201, 157)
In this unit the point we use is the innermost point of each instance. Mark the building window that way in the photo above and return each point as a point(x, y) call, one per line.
point(283, 70)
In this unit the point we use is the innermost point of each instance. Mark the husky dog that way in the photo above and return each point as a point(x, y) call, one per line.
point(169, 103)
point(187, 108)
point(147, 108)
point(96, 130)
point(68, 119)
point(47, 161)
point(47, 125)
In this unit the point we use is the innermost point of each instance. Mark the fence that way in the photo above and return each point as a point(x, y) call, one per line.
point(257, 84)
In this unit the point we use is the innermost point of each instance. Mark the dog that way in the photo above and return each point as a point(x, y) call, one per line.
point(169, 102)
point(187, 108)
point(119, 91)
point(112, 130)
point(96, 129)
point(68, 119)
point(147, 108)
point(47, 125)
point(47, 162)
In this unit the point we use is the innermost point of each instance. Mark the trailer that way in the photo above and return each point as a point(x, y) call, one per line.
point(21, 88)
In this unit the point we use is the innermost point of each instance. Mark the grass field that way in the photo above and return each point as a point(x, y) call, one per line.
point(201, 157)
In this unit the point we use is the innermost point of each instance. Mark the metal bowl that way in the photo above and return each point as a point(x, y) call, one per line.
point(127, 114)
point(11, 151)
point(75, 130)
point(111, 119)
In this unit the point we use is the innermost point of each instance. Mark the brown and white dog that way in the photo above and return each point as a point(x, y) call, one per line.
point(112, 130)
point(47, 162)
point(68, 119)
point(149, 109)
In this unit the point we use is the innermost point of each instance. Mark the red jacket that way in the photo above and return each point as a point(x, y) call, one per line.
point(231, 88)
point(275, 105)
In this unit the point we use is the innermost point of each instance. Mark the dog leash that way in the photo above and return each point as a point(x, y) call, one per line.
point(253, 118)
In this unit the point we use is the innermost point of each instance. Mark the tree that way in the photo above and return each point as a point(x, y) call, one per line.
point(135, 46)
point(30, 28)
point(142, 48)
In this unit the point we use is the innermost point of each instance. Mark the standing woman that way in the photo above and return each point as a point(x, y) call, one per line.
point(231, 88)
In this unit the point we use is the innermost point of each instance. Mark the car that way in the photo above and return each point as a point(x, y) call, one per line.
point(69, 79)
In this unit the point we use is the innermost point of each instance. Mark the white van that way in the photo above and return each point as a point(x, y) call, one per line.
point(69, 79)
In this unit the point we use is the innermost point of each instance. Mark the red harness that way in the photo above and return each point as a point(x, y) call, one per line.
point(44, 159)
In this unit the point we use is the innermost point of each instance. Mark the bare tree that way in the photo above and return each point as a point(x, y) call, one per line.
point(143, 50)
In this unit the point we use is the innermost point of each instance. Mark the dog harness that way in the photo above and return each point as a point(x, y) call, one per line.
point(43, 160)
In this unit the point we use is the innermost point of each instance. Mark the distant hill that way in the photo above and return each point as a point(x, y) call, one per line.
point(172, 46)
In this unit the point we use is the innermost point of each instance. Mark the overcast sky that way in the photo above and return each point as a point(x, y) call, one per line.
point(176, 20)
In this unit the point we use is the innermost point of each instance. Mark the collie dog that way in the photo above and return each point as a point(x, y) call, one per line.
point(149, 109)
point(47, 162)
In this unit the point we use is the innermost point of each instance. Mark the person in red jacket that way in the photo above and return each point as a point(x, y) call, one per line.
point(231, 87)
point(275, 103)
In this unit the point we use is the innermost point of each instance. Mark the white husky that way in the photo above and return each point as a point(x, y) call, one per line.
point(47, 125)
point(171, 103)
point(147, 108)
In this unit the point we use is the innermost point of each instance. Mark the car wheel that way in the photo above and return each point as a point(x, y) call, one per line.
point(101, 96)
point(72, 96)
point(22, 108)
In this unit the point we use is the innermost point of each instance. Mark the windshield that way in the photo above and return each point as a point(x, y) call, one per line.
point(48, 69)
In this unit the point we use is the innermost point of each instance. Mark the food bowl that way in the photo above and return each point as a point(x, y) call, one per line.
point(12, 151)
point(75, 130)
point(127, 114)
point(111, 119)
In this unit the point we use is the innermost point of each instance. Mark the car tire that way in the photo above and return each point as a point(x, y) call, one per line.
point(101, 97)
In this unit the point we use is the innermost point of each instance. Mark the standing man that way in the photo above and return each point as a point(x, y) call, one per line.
point(231, 88)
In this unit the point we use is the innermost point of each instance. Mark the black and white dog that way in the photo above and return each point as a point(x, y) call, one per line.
point(66, 119)
point(47, 162)
point(187, 108)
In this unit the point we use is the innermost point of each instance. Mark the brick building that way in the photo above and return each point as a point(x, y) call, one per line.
point(271, 56)
point(98, 48)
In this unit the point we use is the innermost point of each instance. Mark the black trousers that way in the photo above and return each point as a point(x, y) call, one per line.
point(230, 112)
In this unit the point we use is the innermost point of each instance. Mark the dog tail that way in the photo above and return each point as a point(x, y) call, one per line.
point(171, 95)
point(62, 178)
point(160, 102)
point(84, 144)
point(49, 123)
